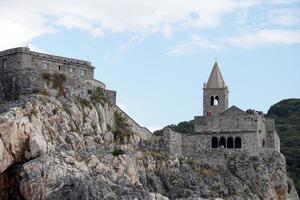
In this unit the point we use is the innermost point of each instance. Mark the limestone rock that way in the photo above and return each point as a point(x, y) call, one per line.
point(58, 149)
point(37, 145)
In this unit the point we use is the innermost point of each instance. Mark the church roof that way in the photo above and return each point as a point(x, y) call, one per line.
point(233, 110)
point(215, 79)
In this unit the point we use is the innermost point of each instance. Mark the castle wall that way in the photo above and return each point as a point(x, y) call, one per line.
point(23, 58)
point(272, 138)
point(172, 142)
point(261, 132)
point(226, 123)
point(135, 127)
point(28, 81)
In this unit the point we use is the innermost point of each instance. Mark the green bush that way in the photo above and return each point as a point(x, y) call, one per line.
point(123, 130)
point(83, 102)
point(117, 152)
point(58, 80)
point(99, 96)
point(47, 77)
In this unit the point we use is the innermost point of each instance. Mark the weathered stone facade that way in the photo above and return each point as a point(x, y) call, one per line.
point(23, 71)
point(222, 129)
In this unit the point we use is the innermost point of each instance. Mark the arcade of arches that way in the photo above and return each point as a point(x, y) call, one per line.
point(229, 142)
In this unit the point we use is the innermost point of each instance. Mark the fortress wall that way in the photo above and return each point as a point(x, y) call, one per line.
point(13, 62)
point(172, 142)
point(261, 131)
point(112, 95)
point(144, 132)
point(192, 145)
point(226, 123)
point(65, 66)
point(21, 58)
point(272, 139)
point(28, 81)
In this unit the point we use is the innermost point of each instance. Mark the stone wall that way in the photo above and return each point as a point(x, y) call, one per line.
point(172, 142)
point(226, 123)
point(23, 58)
point(142, 131)
point(272, 138)
point(29, 81)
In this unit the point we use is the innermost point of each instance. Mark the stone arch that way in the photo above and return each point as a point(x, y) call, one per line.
point(214, 143)
point(264, 143)
point(230, 143)
point(212, 100)
point(222, 142)
point(216, 101)
point(238, 143)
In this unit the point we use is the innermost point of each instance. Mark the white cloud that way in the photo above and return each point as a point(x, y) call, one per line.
point(197, 44)
point(21, 21)
point(288, 17)
point(283, 1)
point(275, 36)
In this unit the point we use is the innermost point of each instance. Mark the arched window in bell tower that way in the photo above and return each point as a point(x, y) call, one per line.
point(216, 101)
point(212, 100)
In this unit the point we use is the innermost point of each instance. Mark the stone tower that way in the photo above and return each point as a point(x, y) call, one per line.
point(215, 93)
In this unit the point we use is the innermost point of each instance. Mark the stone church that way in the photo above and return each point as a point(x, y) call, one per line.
point(222, 127)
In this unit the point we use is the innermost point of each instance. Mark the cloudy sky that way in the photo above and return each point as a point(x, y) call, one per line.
point(157, 53)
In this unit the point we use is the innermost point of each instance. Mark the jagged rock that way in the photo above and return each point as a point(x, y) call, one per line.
point(57, 149)
point(109, 137)
point(37, 145)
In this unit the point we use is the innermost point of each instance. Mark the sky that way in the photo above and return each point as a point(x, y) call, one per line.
point(158, 53)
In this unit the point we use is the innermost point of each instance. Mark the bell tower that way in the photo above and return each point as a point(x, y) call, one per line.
point(215, 93)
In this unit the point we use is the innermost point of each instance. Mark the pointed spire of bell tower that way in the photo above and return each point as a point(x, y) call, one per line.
point(215, 93)
point(215, 79)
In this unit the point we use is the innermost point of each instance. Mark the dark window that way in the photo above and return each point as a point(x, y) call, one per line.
point(214, 142)
point(4, 63)
point(59, 67)
point(263, 143)
point(238, 143)
point(222, 142)
point(230, 143)
point(212, 99)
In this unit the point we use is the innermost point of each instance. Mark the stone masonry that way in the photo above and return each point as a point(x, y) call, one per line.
point(22, 71)
point(222, 129)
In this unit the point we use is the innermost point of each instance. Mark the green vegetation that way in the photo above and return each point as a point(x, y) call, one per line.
point(47, 77)
point(123, 131)
point(99, 96)
point(41, 91)
point(182, 127)
point(117, 152)
point(58, 80)
point(287, 116)
point(84, 102)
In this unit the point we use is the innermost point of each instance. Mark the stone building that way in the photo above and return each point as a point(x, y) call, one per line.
point(22, 70)
point(222, 128)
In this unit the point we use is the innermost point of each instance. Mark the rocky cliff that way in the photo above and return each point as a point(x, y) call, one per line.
point(57, 148)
